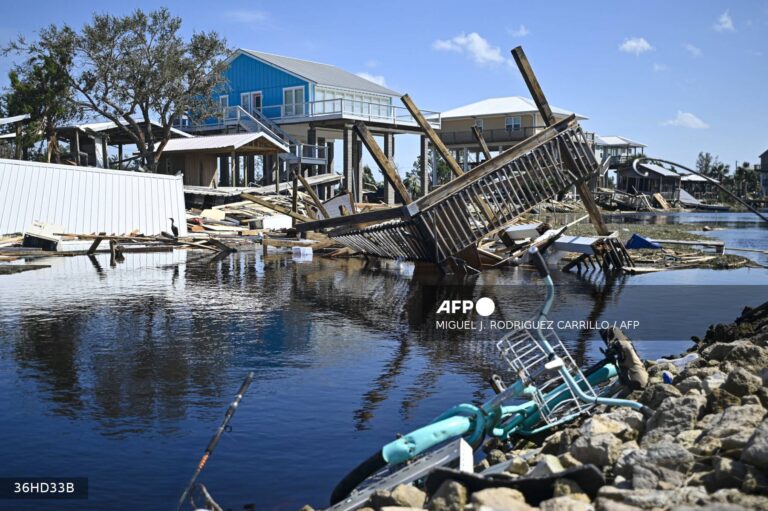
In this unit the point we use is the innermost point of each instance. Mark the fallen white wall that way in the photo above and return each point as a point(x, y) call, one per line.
point(85, 200)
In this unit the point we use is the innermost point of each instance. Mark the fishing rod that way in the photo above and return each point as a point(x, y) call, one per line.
point(216, 437)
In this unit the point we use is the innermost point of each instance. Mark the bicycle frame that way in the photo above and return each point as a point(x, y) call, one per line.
point(494, 418)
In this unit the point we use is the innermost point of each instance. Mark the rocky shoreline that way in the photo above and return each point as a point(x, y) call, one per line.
point(705, 447)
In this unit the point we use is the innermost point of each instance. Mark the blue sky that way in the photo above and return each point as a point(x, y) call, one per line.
point(680, 77)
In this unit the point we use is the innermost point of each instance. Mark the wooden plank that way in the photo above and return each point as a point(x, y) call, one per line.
point(275, 207)
point(433, 137)
point(662, 202)
point(549, 119)
point(312, 194)
point(480, 140)
point(353, 220)
point(94, 245)
point(294, 196)
point(387, 167)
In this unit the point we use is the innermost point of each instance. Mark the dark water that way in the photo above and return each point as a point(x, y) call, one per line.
point(122, 374)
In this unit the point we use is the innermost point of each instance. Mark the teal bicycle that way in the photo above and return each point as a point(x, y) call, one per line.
point(550, 384)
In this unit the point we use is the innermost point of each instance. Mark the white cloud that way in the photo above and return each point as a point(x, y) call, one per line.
point(245, 15)
point(373, 78)
point(724, 23)
point(636, 45)
point(473, 45)
point(659, 67)
point(693, 50)
point(522, 31)
point(686, 120)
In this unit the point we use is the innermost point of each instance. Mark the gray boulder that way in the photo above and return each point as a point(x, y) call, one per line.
point(756, 451)
point(674, 416)
point(451, 496)
point(500, 498)
point(600, 450)
point(655, 394)
point(741, 382)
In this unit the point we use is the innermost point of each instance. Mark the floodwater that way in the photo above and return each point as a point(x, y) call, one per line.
point(121, 374)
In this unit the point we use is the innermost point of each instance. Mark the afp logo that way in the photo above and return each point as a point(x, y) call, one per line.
point(484, 306)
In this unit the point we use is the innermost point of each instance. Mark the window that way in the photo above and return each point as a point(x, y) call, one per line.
point(513, 123)
point(293, 101)
point(223, 102)
point(479, 124)
point(250, 101)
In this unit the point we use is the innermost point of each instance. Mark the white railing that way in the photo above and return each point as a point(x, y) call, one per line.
point(374, 112)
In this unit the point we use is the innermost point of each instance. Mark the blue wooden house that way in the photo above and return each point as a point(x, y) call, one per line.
point(309, 106)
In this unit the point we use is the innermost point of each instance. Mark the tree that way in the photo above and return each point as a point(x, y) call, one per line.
point(137, 68)
point(704, 163)
point(369, 182)
point(40, 87)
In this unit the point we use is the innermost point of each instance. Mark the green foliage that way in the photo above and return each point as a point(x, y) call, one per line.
point(130, 69)
point(369, 182)
point(39, 86)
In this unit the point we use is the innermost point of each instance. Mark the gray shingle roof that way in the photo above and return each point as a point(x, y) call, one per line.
point(322, 74)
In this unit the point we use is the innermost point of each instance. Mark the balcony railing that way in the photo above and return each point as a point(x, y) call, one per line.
point(491, 136)
point(347, 108)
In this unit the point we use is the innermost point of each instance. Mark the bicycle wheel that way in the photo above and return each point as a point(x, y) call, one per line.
point(357, 476)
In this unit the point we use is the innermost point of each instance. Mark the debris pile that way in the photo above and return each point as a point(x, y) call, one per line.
point(705, 446)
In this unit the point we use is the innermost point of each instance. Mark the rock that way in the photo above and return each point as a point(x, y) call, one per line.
point(734, 426)
point(559, 442)
point(600, 424)
point(406, 495)
point(517, 465)
point(688, 438)
point(756, 451)
point(706, 446)
point(630, 417)
point(672, 417)
point(547, 466)
point(748, 356)
point(720, 399)
point(400, 508)
point(751, 399)
point(690, 383)
point(719, 350)
point(568, 461)
point(306, 507)
point(658, 467)
point(496, 456)
point(726, 473)
point(565, 504)
point(403, 495)
point(737, 497)
point(657, 369)
point(713, 381)
point(755, 481)
point(482, 465)
point(762, 395)
point(653, 477)
point(649, 499)
point(599, 450)
point(500, 498)
point(658, 392)
point(564, 487)
point(741, 382)
point(451, 496)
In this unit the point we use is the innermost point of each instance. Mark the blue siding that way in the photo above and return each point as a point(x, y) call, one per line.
point(247, 74)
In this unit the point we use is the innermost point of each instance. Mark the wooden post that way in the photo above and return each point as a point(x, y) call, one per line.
point(77, 146)
point(119, 156)
point(549, 119)
point(481, 141)
point(389, 152)
point(390, 172)
point(104, 155)
point(437, 143)
point(250, 172)
point(295, 197)
point(423, 166)
point(440, 147)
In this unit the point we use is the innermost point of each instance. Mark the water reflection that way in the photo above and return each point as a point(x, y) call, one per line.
point(151, 348)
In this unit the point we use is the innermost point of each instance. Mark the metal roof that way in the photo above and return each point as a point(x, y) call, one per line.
point(105, 126)
point(15, 118)
point(83, 200)
point(611, 140)
point(698, 179)
point(220, 142)
point(321, 74)
point(658, 169)
point(501, 106)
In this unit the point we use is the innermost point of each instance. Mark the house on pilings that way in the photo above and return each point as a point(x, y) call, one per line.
point(309, 106)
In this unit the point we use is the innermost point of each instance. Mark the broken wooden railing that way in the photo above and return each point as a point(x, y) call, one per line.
point(441, 224)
